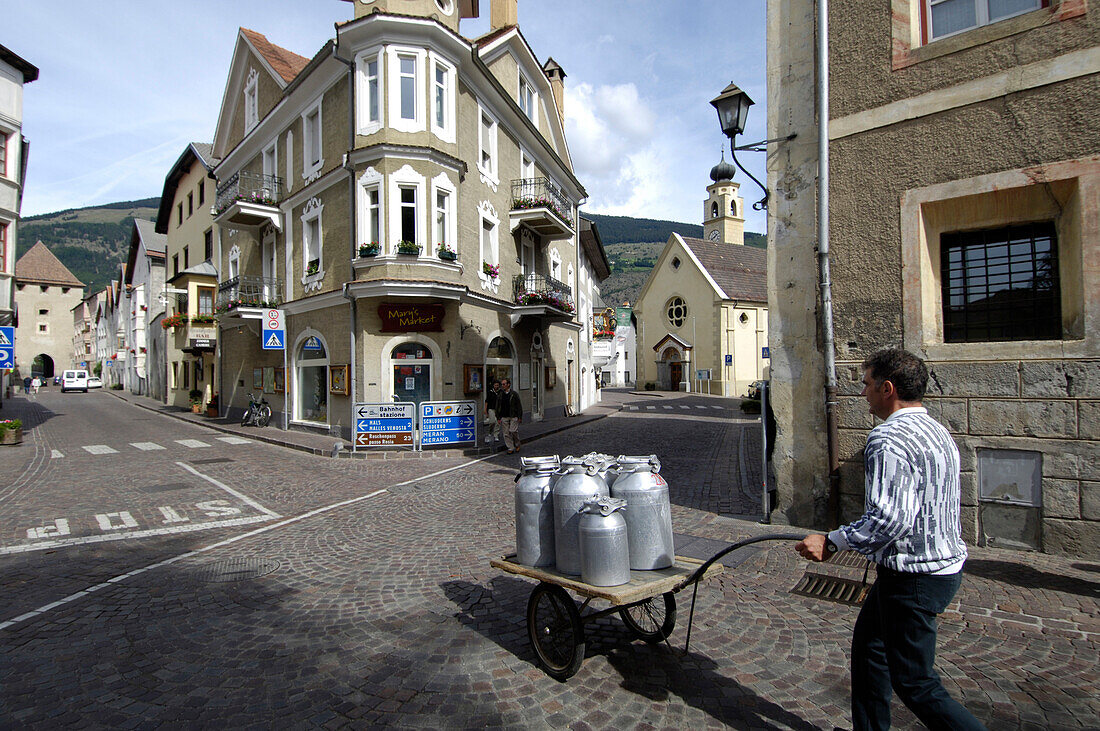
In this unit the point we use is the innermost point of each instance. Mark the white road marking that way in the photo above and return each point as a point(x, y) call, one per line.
point(240, 496)
point(100, 449)
point(665, 407)
point(171, 516)
point(234, 440)
point(192, 443)
point(650, 408)
point(686, 407)
point(631, 408)
point(106, 520)
point(146, 446)
point(54, 454)
point(717, 407)
point(60, 527)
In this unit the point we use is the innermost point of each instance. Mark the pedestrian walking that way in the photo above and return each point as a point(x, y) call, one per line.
point(492, 432)
point(509, 413)
point(35, 383)
point(26, 384)
point(911, 529)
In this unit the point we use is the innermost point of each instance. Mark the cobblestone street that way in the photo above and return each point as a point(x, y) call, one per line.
point(370, 600)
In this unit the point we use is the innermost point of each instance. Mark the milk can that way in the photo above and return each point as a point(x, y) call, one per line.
point(605, 465)
point(576, 481)
point(605, 549)
point(535, 512)
point(648, 513)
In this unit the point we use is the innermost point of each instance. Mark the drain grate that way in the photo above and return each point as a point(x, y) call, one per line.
point(236, 569)
point(832, 588)
point(850, 559)
point(214, 460)
point(165, 488)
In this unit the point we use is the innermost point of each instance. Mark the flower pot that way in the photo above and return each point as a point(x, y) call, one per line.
point(211, 412)
point(363, 253)
point(196, 408)
point(448, 255)
point(12, 436)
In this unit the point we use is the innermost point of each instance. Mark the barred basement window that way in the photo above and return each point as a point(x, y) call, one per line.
point(1001, 284)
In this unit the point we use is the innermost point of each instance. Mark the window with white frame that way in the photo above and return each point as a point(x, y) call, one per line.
point(270, 161)
point(442, 98)
point(528, 99)
point(289, 160)
point(490, 248)
point(251, 101)
point(444, 224)
point(408, 217)
point(3, 247)
point(408, 199)
point(312, 240)
point(526, 166)
point(555, 264)
point(948, 17)
point(370, 218)
point(312, 154)
point(374, 215)
point(406, 88)
point(487, 145)
point(370, 91)
point(3, 154)
point(442, 219)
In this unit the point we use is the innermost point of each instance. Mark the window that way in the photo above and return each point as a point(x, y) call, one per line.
point(528, 100)
point(675, 262)
point(179, 214)
point(270, 162)
point(489, 250)
point(312, 158)
point(947, 17)
point(311, 385)
point(1001, 284)
point(408, 213)
point(442, 219)
point(234, 263)
point(442, 99)
point(411, 366)
point(3, 154)
point(202, 192)
point(370, 92)
point(407, 86)
point(526, 166)
point(714, 210)
point(3, 247)
point(555, 264)
point(676, 312)
point(208, 244)
point(251, 101)
point(311, 243)
point(43, 327)
point(374, 215)
point(405, 68)
point(487, 146)
point(206, 301)
point(190, 204)
point(175, 264)
point(186, 258)
point(43, 311)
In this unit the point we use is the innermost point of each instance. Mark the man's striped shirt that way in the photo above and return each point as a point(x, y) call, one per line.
point(911, 521)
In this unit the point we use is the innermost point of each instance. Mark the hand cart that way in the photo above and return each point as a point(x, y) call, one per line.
point(555, 623)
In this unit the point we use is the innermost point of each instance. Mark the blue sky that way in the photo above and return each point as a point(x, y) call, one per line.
point(124, 85)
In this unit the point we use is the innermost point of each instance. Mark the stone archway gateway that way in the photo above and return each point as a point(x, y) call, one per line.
point(43, 366)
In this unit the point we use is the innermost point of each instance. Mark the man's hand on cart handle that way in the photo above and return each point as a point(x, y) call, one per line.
point(815, 547)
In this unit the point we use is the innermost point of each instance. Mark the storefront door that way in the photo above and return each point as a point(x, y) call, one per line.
point(412, 372)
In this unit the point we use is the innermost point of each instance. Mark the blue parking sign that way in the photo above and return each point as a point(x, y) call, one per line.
point(7, 347)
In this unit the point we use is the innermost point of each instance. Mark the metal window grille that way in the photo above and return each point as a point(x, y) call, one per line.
point(1001, 284)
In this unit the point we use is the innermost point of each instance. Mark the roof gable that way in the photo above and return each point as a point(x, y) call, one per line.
point(40, 266)
point(200, 152)
point(740, 271)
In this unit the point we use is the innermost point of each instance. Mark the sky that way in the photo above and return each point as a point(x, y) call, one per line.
point(124, 85)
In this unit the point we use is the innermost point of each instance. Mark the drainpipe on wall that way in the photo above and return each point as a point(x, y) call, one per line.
point(833, 515)
point(353, 322)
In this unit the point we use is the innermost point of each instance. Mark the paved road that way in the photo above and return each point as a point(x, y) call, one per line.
point(370, 601)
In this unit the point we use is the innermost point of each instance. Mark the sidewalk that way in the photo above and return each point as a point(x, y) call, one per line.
point(324, 444)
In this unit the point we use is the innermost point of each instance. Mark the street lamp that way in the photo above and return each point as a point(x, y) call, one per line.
point(733, 113)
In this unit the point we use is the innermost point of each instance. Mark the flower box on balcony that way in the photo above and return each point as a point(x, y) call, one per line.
point(545, 298)
point(409, 248)
point(173, 321)
point(203, 320)
point(446, 253)
point(489, 269)
point(370, 249)
point(603, 334)
point(312, 268)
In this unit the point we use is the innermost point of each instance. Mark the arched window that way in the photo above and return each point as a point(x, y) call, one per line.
point(412, 372)
point(714, 210)
point(311, 393)
point(733, 207)
point(499, 360)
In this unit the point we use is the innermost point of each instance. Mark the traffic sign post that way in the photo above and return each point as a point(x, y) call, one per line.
point(7, 347)
point(274, 330)
point(447, 422)
point(384, 425)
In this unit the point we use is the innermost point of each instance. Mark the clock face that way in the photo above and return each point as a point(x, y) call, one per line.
point(714, 235)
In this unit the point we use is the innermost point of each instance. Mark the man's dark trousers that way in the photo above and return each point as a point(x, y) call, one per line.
point(894, 646)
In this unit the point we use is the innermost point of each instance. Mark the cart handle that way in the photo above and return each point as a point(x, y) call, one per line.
point(702, 570)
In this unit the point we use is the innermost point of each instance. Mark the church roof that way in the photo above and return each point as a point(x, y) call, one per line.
point(40, 266)
point(741, 271)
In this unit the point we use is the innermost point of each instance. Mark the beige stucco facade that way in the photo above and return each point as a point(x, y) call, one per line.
point(45, 326)
point(994, 126)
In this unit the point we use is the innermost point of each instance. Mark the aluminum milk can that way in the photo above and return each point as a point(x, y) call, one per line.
point(535, 512)
point(576, 482)
point(605, 465)
point(605, 548)
point(648, 512)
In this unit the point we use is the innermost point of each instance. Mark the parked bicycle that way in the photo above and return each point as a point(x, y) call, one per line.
point(258, 413)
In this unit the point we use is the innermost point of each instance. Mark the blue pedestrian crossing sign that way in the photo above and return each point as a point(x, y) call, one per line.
point(7, 347)
point(447, 422)
point(274, 330)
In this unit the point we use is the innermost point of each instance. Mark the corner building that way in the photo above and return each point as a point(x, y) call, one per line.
point(407, 197)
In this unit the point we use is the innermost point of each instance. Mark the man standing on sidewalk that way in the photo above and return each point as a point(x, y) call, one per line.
point(492, 433)
point(509, 413)
point(911, 530)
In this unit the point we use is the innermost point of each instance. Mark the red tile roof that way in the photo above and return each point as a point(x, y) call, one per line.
point(40, 266)
point(287, 64)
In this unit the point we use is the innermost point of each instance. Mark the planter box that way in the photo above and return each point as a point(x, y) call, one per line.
point(11, 436)
point(372, 252)
point(211, 413)
point(448, 255)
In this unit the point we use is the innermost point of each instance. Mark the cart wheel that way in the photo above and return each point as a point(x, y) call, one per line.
point(649, 621)
point(554, 627)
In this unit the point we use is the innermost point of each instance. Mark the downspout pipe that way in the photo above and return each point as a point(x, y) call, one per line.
point(833, 515)
point(353, 326)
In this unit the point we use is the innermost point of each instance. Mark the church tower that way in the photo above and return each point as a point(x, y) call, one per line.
point(724, 210)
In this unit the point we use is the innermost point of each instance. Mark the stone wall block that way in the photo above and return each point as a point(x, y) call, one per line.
point(852, 413)
point(1061, 499)
point(1025, 418)
point(968, 522)
point(968, 455)
point(1043, 378)
point(853, 479)
point(849, 380)
point(974, 379)
point(1088, 462)
point(1090, 420)
point(968, 485)
point(1071, 537)
point(1090, 500)
point(949, 412)
point(1083, 378)
point(851, 444)
point(1059, 464)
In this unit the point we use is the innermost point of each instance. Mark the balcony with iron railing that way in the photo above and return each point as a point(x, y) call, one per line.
point(543, 296)
point(248, 200)
point(246, 296)
point(543, 207)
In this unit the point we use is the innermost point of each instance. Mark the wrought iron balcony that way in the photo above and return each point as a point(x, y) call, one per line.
point(543, 207)
point(248, 292)
point(248, 200)
point(541, 290)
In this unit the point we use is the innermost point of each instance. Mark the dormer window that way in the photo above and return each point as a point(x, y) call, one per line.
point(312, 149)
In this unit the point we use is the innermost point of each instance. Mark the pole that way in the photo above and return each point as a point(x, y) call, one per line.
point(823, 258)
point(286, 387)
point(766, 503)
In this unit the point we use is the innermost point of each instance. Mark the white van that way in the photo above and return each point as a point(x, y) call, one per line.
point(74, 381)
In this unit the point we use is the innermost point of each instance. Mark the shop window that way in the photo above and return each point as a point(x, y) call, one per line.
point(412, 372)
point(499, 360)
point(311, 392)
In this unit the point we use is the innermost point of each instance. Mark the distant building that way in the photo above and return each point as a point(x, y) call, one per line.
point(145, 282)
point(702, 313)
point(84, 330)
point(45, 294)
point(615, 328)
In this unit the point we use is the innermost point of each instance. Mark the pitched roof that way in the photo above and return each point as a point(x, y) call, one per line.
point(205, 151)
point(40, 266)
point(287, 64)
point(29, 70)
point(154, 243)
point(741, 271)
point(593, 247)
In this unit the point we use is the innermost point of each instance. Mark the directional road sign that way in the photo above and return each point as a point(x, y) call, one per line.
point(274, 330)
point(447, 422)
point(7, 347)
point(384, 425)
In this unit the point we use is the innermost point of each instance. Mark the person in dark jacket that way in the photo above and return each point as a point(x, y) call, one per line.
point(492, 432)
point(509, 413)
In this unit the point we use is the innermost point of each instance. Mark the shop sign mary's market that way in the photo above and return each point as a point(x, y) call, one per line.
point(403, 318)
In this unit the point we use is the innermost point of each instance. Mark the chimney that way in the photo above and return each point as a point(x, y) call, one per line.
point(557, 84)
point(504, 13)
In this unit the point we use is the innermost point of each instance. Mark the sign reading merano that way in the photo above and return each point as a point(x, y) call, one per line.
point(411, 318)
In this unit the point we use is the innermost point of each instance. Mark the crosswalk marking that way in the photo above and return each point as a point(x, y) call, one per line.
point(54, 454)
point(665, 407)
point(100, 449)
point(686, 407)
point(192, 443)
point(650, 408)
point(146, 446)
point(234, 440)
